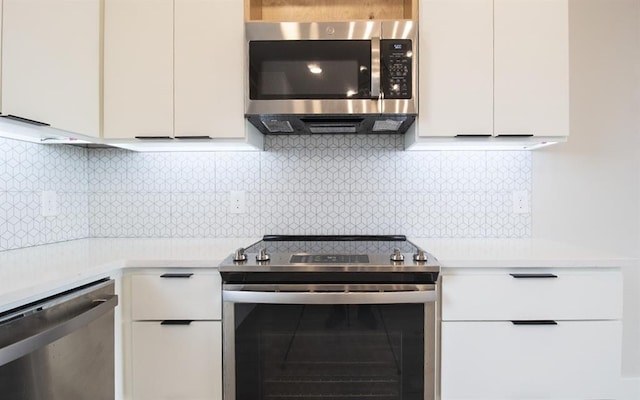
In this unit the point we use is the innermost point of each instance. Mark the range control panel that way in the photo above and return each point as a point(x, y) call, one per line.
point(397, 68)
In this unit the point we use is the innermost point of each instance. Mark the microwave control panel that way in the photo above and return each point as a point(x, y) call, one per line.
point(397, 68)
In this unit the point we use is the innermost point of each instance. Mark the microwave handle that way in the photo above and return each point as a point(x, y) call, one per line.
point(375, 68)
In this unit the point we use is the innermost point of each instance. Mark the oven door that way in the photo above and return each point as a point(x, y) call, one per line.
point(330, 341)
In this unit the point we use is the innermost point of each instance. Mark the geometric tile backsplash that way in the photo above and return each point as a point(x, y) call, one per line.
point(298, 185)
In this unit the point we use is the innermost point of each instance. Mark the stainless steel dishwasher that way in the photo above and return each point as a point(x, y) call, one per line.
point(61, 347)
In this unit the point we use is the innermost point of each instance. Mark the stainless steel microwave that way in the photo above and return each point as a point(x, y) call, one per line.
point(331, 77)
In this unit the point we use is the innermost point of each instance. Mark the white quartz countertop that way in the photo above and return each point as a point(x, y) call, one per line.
point(518, 253)
point(32, 273)
point(29, 274)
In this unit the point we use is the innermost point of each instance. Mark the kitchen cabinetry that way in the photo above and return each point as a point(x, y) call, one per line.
point(488, 69)
point(0, 56)
point(138, 68)
point(535, 334)
point(179, 76)
point(175, 335)
point(51, 63)
point(531, 67)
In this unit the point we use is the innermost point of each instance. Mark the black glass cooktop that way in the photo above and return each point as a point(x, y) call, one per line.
point(328, 249)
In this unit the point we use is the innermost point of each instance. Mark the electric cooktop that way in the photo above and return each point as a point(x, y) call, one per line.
point(352, 258)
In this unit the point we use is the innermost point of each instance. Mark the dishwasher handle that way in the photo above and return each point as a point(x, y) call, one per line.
point(80, 318)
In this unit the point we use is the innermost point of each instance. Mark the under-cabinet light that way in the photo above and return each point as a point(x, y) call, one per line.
point(184, 146)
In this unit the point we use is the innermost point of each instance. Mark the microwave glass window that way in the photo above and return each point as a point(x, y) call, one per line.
point(325, 78)
point(310, 69)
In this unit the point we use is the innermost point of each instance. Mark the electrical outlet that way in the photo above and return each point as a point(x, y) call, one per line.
point(49, 204)
point(520, 199)
point(237, 203)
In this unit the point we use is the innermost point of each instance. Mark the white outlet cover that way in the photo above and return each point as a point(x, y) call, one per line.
point(49, 203)
point(237, 202)
point(520, 200)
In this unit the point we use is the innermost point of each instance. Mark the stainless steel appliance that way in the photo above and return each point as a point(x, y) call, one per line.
point(331, 77)
point(60, 348)
point(335, 317)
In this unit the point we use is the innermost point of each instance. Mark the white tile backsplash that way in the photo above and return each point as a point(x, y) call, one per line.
point(299, 185)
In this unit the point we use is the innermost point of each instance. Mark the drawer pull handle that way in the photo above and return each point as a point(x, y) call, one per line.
point(535, 322)
point(176, 275)
point(176, 322)
point(533, 276)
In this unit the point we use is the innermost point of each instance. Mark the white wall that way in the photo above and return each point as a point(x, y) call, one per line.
point(588, 190)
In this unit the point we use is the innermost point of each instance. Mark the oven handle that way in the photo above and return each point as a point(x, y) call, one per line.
point(273, 297)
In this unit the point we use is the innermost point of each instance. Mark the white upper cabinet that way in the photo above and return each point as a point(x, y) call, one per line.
point(0, 54)
point(494, 68)
point(138, 68)
point(456, 67)
point(209, 55)
point(173, 68)
point(531, 66)
point(51, 63)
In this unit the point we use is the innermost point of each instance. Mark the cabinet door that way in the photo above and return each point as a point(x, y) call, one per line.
point(138, 68)
point(456, 67)
point(1, 6)
point(51, 63)
point(177, 362)
point(531, 67)
point(209, 68)
point(500, 360)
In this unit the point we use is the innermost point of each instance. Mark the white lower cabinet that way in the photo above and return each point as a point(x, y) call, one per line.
point(176, 360)
point(173, 334)
point(500, 360)
point(540, 333)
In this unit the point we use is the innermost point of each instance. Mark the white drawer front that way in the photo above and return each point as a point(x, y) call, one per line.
point(498, 360)
point(177, 362)
point(197, 297)
point(569, 296)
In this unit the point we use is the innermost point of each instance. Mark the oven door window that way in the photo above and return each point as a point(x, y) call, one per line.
point(329, 351)
point(310, 69)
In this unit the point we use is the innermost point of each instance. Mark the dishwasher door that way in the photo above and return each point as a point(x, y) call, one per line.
point(61, 348)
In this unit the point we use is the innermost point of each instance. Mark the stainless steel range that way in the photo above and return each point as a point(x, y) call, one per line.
point(336, 317)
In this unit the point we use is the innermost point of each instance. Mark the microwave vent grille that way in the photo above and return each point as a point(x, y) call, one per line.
point(387, 125)
point(278, 126)
point(332, 129)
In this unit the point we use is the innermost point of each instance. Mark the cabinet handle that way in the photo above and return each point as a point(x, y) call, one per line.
point(153, 137)
point(473, 135)
point(195, 137)
point(514, 135)
point(533, 276)
point(25, 120)
point(176, 322)
point(173, 275)
point(535, 322)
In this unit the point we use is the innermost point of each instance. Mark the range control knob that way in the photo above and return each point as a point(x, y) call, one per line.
point(420, 256)
point(239, 256)
point(397, 256)
point(262, 255)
